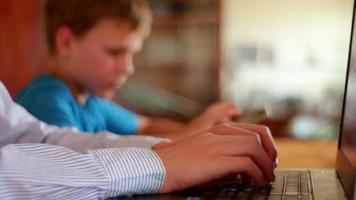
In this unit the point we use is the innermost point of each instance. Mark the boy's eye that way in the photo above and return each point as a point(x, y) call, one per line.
point(115, 52)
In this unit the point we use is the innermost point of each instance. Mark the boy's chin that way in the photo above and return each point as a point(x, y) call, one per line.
point(106, 94)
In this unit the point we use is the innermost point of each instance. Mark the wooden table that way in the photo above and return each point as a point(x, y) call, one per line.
point(306, 153)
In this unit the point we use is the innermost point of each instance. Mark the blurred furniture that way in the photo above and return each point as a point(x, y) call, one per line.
point(182, 53)
point(22, 42)
point(306, 153)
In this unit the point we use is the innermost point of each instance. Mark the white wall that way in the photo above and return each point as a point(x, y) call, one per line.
point(307, 41)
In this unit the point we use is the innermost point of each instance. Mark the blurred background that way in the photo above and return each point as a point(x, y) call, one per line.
point(283, 62)
point(288, 58)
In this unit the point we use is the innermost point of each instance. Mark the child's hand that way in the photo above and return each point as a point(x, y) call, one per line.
point(217, 113)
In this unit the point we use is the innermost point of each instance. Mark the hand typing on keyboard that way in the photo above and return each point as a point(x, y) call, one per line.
point(225, 149)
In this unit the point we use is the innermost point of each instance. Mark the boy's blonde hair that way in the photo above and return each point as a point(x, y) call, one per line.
point(82, 15)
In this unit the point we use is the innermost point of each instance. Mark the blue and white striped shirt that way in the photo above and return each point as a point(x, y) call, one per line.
point(38, 161)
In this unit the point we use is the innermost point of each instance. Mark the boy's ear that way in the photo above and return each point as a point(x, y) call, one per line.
point(65, 39)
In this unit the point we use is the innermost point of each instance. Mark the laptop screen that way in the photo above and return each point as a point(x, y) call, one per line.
point(346, 158)
point(348, 125)
point(348, 143)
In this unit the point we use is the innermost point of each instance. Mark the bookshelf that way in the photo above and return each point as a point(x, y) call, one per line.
point(182, 54)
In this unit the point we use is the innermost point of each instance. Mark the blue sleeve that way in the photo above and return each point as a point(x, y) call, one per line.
point(51, 107)
point(119, 120)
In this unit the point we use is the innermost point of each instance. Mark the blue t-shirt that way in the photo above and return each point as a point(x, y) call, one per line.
point(50, 100)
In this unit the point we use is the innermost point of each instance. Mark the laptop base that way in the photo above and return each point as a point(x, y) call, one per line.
point(290, 184)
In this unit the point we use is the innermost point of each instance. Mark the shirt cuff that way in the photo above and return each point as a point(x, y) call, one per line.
point(131, 170)
point(152, 141)
point(138, 141)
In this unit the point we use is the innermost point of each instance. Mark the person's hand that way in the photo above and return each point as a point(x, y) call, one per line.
point(214, 154)
point(263, 132)
point(217, 113)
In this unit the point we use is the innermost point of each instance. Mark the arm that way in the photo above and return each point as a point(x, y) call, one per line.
point(215, 114)
point(41, 171)
point(38, 171)
point(18, 126)
point(53, 172)
point(122, 121)
point(160, 127)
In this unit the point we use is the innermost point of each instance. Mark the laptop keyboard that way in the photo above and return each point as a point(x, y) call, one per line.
point(289, 185)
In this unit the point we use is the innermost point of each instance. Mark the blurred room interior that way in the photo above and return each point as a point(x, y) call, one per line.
point(283, 62)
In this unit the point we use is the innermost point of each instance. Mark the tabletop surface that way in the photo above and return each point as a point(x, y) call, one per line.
point(295, 153)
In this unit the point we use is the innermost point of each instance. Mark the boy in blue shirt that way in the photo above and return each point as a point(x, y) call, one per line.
point(92, 44)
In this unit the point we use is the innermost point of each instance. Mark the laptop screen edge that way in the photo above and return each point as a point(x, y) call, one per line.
point(344, 166)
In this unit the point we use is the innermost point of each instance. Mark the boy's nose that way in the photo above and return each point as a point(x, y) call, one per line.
point(130, 69)
point(125, 67)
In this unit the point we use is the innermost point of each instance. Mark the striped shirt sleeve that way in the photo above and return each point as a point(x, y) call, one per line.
point(40, 171)
point(38, 161)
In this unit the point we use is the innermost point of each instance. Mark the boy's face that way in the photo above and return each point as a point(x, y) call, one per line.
point(102, 60)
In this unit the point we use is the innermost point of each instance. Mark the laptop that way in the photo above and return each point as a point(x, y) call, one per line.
point(298, 184)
